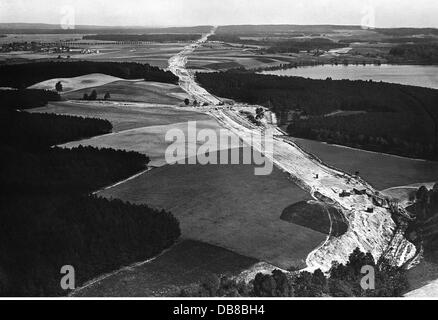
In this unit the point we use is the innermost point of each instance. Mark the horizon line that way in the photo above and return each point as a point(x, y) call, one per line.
point(208, 25)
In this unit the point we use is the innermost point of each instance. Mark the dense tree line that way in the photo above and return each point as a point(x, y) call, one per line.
point(39, 234)
point(425, 53)
point(395, 118)
point(343, 280)
point(26, 99)
point(295, 46)
point(163, 37)
point(40, 130)
point(424, 229)
point(394, 133)
point(49, 217)
point(54, 29)
point(281, 46)
point(27, 74)
point(405, 32)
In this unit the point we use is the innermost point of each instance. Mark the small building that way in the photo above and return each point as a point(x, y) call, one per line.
point(359, 192)
point(344, 194)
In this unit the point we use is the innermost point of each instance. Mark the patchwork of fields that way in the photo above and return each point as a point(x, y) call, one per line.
point(224, 207)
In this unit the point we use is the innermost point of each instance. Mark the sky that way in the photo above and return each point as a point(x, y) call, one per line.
point(159, 13)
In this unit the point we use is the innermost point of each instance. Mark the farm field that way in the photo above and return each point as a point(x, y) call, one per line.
point(76, 83)
point(124, 116)
point(151, 140)
point(223, 56)
point(185, 263)
point(242, 215)
point(135, 91)
point(380, 170)
point(155, 54)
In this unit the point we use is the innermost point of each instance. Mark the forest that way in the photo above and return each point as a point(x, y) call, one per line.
point(393, 133)
point(423, 53)
point(163, 37)
point(342, 280)
point(23, 75)
point(423, 230)
point(49, 217)
point(390, 118)
point(25, 99)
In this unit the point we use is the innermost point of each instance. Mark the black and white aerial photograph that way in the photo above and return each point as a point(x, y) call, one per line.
point(219, 150)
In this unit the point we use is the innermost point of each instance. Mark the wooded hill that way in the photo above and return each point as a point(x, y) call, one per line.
point(390, 118)
point(49, 217)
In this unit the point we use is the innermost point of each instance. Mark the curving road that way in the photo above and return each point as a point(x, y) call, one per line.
point(373, 232)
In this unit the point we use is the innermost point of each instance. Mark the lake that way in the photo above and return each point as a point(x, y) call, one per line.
point(416, 75)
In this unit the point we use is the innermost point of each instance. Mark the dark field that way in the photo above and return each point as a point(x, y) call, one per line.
point(228, 206)
point(315, 215)
point(185, 263)
point(380, 170)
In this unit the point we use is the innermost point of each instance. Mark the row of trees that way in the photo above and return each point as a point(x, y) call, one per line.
point(26, 74)
point(295, 46)
point(426, 53)
point(93, 96)
point(162, 37)
point(343, 280)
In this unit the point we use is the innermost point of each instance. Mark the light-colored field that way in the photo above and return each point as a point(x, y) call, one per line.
point(228, 206)
point(76, 83)
point(381, 170)
point(151, 140)
point(423, 280)
point(135, 91)
point(39, 37)
point(156, 54)
point(405, 194)
point(124, 116)
point(185, 263)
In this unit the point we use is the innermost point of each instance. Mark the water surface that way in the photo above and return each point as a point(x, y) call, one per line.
point(415, 75)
